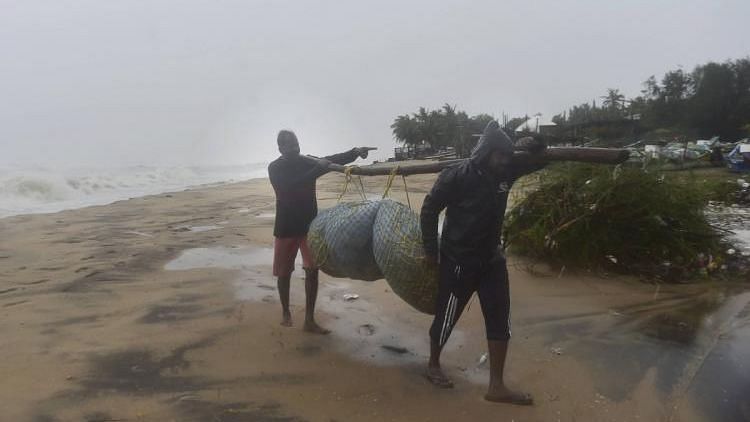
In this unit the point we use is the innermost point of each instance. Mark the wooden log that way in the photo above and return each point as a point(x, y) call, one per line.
point(584, 155)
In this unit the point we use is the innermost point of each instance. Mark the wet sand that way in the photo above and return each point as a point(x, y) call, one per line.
point(163, 308)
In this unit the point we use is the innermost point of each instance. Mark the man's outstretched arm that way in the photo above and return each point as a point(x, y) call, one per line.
point(348, 156)
point(317, 168)
point(284, 180)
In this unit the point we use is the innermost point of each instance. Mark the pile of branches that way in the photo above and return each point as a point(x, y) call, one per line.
point(617, 219)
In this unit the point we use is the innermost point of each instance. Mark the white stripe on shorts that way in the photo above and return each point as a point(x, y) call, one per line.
point(450, 312)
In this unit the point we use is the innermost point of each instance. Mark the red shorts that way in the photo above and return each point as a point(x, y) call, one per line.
point(285, 252)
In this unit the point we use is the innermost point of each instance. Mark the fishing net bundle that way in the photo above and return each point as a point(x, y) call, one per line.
point(341, 241)
point(372, 240)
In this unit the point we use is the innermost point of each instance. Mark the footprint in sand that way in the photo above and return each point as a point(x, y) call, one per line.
point(8, 305)
point(366, 329)
point(44, 280)
point(269, 299)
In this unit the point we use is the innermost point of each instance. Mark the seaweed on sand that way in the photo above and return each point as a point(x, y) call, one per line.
point(623, 219)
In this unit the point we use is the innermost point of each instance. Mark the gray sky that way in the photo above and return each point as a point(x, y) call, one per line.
point(127, 82)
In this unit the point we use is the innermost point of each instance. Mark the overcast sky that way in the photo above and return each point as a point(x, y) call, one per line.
point(106, 82)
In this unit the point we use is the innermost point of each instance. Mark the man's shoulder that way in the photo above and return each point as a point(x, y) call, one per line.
point(457, 171)
point(280, 163)
point(290, 165)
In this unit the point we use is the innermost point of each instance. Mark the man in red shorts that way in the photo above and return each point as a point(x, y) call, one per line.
point(293, 178)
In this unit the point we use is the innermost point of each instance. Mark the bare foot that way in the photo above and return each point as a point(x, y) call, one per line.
point(313, 327)
point(505, 395)
point(436, 376)
point(286, 320)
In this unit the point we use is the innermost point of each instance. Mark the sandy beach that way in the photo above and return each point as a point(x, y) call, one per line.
point(163, 308)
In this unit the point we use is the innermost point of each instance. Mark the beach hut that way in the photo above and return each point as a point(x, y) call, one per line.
point(535, 124)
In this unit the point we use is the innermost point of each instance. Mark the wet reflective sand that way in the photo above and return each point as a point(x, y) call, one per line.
point(122, 312)
point(692, 345)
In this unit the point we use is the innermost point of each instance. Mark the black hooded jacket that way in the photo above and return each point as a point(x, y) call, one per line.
point(475, 200)
point(293, 179)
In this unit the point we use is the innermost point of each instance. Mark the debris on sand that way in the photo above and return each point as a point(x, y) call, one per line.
point(395, 349)
point(350, 297)
point(626, 220)
point(482, 360)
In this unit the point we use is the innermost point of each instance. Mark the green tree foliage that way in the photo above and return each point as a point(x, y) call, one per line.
point(613, 100)
point(444, 127)
point(713, 99)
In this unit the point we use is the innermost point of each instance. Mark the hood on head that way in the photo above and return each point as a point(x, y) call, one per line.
point(492, 139)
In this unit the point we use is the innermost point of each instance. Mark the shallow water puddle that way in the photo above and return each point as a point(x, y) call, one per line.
point(696, 344)
point(198, 229)
point(736, 219)
point(364, 331)
point(696, 347)
point(360, 327)
point(742, 237)
point(721, 384)
point(221, 257)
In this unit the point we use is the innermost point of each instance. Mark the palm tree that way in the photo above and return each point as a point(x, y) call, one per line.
point(427, 126)
point(613, 99)
point(446, 126)
point(406, 130)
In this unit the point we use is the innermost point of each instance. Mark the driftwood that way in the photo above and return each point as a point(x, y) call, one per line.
point(584, 155)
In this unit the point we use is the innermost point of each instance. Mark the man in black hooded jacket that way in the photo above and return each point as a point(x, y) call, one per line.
point(474, 194)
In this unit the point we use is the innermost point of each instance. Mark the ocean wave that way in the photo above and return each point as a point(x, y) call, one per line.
point(38, 190)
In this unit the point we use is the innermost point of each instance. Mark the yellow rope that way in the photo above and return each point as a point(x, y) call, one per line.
point(406, 189)
point(389, 183)
point(348, 174)
point(321, 250)
point(362, 189)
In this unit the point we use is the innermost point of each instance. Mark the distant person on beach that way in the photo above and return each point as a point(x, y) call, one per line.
point(474, 194)
point(293, 178)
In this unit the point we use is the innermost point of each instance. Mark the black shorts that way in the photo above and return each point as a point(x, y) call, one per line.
point(455, 289)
